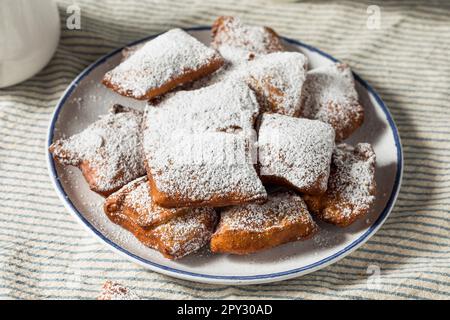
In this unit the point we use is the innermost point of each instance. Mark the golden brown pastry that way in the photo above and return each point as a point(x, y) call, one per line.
point(185, 234)
point(135, 202)
point(174, 233)
point(254, 227)
point(209, 169)
point(171, 59)
point(108, 152)
point(351, 186)
point(295, 152)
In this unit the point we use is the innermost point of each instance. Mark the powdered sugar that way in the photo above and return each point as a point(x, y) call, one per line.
point(329, 95)
point(352, 178)
point(139, 196)
point(149, 213)
point(281, 209)
point(198, 144)
point(276, 78)
point(110, 147)
point(235, 56)
point(226, 106)
point(208, 168)
point(234, 60)
point(238, 44)
point(159, 61)
point(351, 186)
point(297, 151)
point(173, 232)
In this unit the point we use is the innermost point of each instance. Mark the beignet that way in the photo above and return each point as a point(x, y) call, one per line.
point(253, 227)
point(351, 186)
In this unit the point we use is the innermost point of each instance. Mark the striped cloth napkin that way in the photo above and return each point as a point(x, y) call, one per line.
point(400, 47)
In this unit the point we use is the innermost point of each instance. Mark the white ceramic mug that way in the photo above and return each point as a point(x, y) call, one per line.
point(29, 35)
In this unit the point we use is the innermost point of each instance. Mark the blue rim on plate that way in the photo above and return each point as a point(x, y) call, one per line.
point(204, 277)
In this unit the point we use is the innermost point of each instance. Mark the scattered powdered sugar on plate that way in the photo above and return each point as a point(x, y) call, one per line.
point(102, 222)
point(110, 147)
point(159, 61)
point(327, 239)
point(295, 150)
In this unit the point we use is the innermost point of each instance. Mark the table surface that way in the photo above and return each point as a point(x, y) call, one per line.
point(46, 254)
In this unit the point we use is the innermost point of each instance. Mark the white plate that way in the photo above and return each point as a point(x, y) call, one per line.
point(85, 99)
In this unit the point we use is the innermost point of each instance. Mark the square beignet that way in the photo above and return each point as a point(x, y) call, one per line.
point(232, 32)
point(209, 169)
point(253, 227)
point(108, 152)
point(295, 152)
point(200, 147)
point(329, 95)
point(135, 202)
point(163, 63)
point(177, 237)
point(351, 186)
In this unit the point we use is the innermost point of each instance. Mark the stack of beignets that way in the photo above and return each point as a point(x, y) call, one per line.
point(199, 165)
